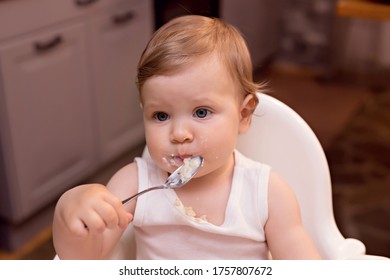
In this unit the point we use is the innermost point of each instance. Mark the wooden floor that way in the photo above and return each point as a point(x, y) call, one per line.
point(36, 246)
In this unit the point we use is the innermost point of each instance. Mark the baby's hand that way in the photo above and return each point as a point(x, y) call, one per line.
point(91, 209)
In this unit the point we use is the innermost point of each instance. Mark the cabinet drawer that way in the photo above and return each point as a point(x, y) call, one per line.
point(18, 17)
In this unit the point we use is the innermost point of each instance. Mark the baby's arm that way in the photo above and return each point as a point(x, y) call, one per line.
point(90, 219)
point(286, 236)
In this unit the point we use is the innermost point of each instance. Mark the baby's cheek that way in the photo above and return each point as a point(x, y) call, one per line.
point(206, 147)
point(211, 151)
point(203, 141)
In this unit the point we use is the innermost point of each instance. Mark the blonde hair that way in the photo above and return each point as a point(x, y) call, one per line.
point(184, 39)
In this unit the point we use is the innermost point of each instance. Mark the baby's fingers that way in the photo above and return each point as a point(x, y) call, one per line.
point(94, 223)
point(79, 228)
point(115, 215)
point(108, 214)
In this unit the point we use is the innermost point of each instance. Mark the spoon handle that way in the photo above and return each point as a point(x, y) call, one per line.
point(142, 192)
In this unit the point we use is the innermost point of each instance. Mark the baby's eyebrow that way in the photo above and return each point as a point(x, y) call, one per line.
point(152, 104)
point(204, 99)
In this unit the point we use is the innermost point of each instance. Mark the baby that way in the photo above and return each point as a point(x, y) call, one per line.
point(197, 95)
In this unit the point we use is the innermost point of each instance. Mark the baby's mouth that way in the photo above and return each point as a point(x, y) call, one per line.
point(175, 160)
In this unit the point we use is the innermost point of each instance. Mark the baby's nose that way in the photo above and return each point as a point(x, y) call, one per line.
point(181, 132)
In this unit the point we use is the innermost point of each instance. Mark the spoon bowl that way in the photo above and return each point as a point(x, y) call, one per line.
point(177, 179)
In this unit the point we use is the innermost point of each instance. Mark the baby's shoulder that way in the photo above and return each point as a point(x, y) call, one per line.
point(280, 194)
point(277, 183)
point(125, 181)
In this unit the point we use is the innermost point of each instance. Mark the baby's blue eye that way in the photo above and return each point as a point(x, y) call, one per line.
point(161, 116)
point(201, 113)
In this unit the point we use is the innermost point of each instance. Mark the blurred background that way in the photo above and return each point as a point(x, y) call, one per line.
point(69, 110)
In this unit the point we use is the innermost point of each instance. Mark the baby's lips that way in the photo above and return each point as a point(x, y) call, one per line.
point(183, 157)
point(179, 159)
point(171, 161)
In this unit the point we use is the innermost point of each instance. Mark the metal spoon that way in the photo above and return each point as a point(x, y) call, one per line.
point(177, 179)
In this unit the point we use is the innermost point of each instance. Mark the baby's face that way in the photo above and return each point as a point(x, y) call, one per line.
point(192, 112)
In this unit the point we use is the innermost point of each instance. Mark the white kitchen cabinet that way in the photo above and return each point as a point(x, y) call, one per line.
point(119, 115)
point(68, 101)
point(46, 117)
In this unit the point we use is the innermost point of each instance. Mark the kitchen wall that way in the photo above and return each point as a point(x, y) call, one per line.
point(361, 43)
point(307, 26)
point(303, 33)
point(260, 23)
point(314, 35)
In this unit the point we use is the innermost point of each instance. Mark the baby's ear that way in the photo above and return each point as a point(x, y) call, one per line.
point(248, 106)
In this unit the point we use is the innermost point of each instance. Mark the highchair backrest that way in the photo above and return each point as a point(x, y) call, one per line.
point(278, 136)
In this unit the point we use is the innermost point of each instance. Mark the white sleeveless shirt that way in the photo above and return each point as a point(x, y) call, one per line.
point(167, 229)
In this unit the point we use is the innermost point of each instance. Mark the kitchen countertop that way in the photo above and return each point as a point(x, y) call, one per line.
point(377, 10)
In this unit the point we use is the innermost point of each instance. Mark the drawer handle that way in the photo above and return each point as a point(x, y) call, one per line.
point(45, 46)
point(123, 17)
point(84, 2)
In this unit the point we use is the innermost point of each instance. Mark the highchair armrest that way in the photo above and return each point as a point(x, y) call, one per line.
point(367, 257)
point(353, 249)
